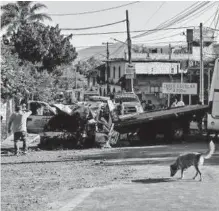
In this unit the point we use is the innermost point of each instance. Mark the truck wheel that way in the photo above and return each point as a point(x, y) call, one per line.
point(173, 133)
point(177, 131)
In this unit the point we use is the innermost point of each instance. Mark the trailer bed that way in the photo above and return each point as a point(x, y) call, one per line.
point(137, 120)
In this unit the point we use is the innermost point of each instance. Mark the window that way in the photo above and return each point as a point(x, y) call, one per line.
point(155, 89)
point(119, 72)
point(114, 72)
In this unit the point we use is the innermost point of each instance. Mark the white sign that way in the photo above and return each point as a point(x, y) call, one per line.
point(130, 69)
point(157, 68)
point(179, 88)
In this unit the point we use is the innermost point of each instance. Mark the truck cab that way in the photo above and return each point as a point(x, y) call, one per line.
point(130, 103)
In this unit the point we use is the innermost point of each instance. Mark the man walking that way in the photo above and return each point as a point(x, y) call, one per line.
point(19, 122)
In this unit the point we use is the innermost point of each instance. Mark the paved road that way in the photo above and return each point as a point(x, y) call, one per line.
point(150, 188)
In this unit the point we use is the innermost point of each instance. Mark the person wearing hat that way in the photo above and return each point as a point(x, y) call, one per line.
point(18, 122)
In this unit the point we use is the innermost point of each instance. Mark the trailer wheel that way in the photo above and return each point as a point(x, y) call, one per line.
point(174, 132)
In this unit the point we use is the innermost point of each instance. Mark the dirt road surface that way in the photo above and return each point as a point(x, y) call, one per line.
point(132, 178)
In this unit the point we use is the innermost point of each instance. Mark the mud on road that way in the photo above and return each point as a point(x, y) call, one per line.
point(30, 182)
point(35, 181)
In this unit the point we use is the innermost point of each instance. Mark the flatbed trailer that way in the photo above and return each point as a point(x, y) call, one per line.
point(172, 123)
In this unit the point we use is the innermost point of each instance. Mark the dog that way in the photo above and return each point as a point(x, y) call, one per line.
point(191, 159)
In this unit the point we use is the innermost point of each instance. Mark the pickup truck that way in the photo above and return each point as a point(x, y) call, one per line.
point(130, 103)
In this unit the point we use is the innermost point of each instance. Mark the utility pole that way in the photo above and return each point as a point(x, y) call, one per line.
point(128, 37)
point(201, 87)
point(170, 51)
point(76, 70)
point(129, 82)
point(107, 66)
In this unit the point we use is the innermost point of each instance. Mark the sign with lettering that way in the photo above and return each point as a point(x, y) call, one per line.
point(179, 88)
point(154, 68)
point(130, 71)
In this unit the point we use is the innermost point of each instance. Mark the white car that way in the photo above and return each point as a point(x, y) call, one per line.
point(130, 103)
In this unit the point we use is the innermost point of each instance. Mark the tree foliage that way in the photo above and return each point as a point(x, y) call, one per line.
point(21, 12)
point(37, 43)
point(86, 67)
point(21, 79)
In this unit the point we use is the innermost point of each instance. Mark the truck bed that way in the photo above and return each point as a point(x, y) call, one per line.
point(137, 120)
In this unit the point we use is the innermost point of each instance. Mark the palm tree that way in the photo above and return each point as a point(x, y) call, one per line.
point(16, 14)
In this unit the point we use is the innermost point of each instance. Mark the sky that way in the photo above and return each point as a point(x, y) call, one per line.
point(143, 15)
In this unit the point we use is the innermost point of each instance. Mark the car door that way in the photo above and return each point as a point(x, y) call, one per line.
point(41, 114)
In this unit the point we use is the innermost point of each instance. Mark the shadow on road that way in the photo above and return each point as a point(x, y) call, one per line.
point(153, 180)
point(160, 180)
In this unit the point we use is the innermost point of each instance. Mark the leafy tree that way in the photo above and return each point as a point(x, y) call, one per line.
point(86, 67)
point(21, 79)
point(16, 76)
point(16, 14)
point(37, 43)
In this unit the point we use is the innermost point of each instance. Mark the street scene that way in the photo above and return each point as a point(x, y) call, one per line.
point(109, 105)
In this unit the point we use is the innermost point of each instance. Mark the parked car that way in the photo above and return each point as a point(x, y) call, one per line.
point(130, 103)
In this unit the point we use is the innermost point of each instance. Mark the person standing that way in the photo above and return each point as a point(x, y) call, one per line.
point(174, 104)
point(18, 122)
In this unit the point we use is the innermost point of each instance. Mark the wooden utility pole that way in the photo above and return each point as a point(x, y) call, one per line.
point(129, 82)
point(128, 38)
point(76, 70)
point(170, 51)
point(107, 66)
point(201, 87)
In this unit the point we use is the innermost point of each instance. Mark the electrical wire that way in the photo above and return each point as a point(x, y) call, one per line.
point(95, 11)
point(189, 19)
point(155, 12)
point(195, 15)
point(92, 27)
point(174, 35)
point(161, 42)
point(176, 19)
point(136, 31)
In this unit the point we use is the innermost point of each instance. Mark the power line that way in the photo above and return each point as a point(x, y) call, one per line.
point(95, 11)
point(163, 37)
point(162, 42)
point(155, 12)
point(92, 27)
point(136, 31)
point(199, 13)
point(178, 18)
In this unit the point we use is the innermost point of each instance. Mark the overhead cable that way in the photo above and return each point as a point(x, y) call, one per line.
point(95, 11)
point(136, 31)
point(155, 12)
point(178, 18)
point(92, 27)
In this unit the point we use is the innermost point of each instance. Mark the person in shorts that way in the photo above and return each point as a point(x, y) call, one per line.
point(18, 122)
